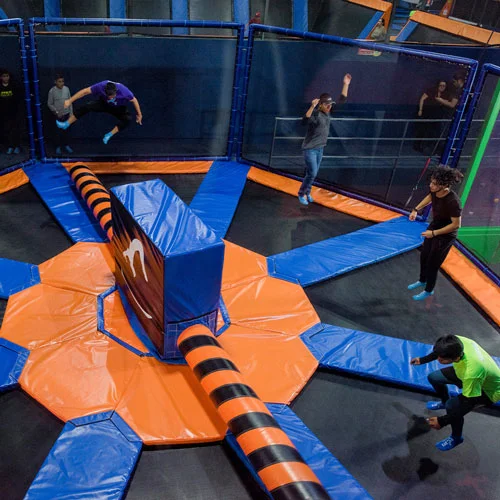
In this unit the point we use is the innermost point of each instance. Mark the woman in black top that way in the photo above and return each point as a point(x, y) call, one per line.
point(442, 231)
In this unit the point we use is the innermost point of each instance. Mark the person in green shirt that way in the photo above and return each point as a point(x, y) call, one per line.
point(473, 370)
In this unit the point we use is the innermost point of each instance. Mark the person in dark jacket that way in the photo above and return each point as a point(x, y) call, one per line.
point(317, 119)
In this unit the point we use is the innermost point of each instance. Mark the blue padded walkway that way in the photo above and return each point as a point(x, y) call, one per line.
point(93, 457)
point(16, 276)
point(218, 196)
point(329, 258)
point(371, 355)
point(333, 475)
point(12, 360)
point(337, 481)
point(53, 184)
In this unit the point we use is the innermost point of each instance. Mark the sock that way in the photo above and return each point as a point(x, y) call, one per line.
point(107, 137)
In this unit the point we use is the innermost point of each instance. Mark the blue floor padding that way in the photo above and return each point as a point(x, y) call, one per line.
point(329, 258)
point(218, 196)
point(93, 457)
point(53, 184)
point(12, 360)
point(373, 356)
point(332, 474)
point(16, 276)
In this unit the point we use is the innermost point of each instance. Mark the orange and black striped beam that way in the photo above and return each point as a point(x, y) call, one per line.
point(95, 195)
point(269, 450)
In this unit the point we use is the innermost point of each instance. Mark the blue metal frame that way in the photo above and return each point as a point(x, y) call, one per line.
point(371, 24)
point(352, 43)
point(407, 30)
point(476, 95)
point(18, 24)
point(238, 71)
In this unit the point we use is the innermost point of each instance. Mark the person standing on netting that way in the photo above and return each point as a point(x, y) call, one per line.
point(442, 231)
point(317, 119)
point(112, 98)
point(58, 95)
point(10, 106)
point(473, 370)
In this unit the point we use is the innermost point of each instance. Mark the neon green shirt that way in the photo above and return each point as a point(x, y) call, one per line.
point(478, 371)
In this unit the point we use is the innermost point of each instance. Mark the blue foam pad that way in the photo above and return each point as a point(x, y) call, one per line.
point(218, 196)
point(329, 258)
point(16, 276)
point(332, 474)
point(54, 185)
point(93, 457)
point(371, 355)
point(12, 360)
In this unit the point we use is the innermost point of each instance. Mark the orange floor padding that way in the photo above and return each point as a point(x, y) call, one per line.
point(324, 197)
point(12, 180)
point(147, 167)
point(474, 282)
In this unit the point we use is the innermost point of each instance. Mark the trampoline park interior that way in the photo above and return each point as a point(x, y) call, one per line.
point(173, 323)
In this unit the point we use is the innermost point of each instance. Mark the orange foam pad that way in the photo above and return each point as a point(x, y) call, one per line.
point(241, 265)
point(43, 315)
point(474, 282)
point(270, 304)
point(324, 197)
point(454, 27)
point(238, 406)
point(261, 437)
point(84, 375)
point(84, 267)
point(265, 356)
point(147, 167)
point(374, 4)
point(12, 180)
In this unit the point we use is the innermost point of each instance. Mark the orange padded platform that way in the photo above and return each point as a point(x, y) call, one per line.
point(263, 356)
point(85, 267)
point(270, 304)
point(12, 180)
point(474, 282)
point(324, 197)
point(380, 5)
point(147, 167)
point(457, 28)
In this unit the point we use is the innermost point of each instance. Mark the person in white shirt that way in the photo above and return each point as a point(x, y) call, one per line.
point(57, 95)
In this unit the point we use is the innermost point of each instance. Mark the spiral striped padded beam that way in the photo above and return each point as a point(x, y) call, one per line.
point(269, 450)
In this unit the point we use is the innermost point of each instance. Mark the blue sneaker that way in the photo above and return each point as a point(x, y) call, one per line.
point(310, 199)
point(435, 405)
point(415, 285)
point(422, 295)
point(17, 150)
point(63, 125)
point(58, 150)
point(449, 443)
point(107, 137)
point(69, 149)
point(303, 200)
point(10, 151)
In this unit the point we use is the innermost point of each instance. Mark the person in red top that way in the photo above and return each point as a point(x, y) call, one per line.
point(442, 231)
point(255, 19)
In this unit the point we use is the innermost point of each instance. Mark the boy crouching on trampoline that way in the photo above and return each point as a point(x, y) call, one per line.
point(112, 98)
point(318, 127)
point(473, 370)
point(442, 231)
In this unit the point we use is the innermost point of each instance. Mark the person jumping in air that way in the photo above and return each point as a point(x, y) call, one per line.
point(473, 370)
point(111, 98)
point(317, 119)
point(442, 231)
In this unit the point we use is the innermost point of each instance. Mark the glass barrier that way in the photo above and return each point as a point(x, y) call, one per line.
point(14, 128)
point(183, 84)
point(390, 128)
point(480, 231)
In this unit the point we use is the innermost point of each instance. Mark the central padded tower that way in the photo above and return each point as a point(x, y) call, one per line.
point(168, 262)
